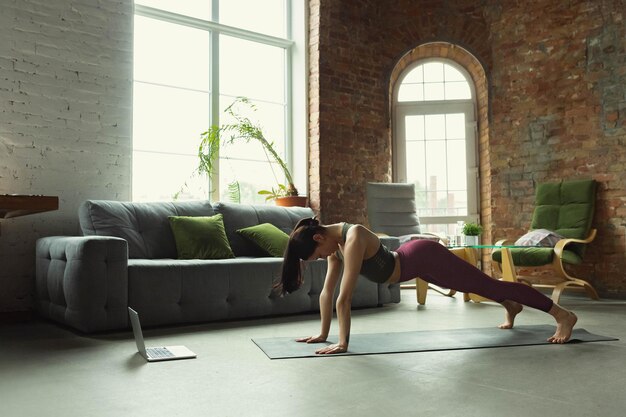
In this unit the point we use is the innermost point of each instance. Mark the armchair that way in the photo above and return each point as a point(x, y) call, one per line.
point(566, 208)
point(391, 211)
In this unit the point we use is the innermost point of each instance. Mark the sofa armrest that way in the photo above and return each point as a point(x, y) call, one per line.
point(388, 293)
point(83, 281)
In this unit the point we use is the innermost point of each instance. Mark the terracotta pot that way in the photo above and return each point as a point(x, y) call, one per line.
point(291, 201)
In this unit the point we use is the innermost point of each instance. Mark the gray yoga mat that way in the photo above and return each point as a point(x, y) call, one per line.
point(423, 341)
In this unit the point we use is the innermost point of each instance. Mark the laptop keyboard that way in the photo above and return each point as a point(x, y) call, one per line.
point(159, 352)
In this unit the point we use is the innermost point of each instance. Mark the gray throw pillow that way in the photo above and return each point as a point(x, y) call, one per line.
point(539, 237)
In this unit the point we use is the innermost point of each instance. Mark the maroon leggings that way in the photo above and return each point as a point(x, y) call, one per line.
point(434, 263)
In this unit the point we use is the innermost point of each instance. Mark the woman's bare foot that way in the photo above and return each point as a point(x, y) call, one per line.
point(565, 321)
point(512, 310)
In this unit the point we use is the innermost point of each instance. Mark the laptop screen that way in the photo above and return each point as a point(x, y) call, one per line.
point(134, 321)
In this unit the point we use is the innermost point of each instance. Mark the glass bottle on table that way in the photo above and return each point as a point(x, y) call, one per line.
point(458, 233)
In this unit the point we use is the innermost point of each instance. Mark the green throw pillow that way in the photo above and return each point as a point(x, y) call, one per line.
point(200, 237)
point(268, 237)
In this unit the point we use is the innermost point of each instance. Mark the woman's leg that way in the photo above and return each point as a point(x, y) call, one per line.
point(434, 263)
point(512, 309)
point(565, 322)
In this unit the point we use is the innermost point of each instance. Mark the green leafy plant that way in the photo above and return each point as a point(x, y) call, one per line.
point(472, 229)
point(234, 192)
point(242, 128)
point(274, 193)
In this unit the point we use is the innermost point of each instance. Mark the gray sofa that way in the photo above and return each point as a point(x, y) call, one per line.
point(127, 257)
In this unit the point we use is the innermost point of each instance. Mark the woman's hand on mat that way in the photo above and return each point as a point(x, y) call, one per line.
point(329, 350)
point(312, 339)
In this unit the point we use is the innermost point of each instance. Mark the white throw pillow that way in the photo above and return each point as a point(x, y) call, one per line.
point(539, 237)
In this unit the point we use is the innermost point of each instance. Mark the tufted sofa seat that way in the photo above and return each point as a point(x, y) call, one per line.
point(127, 257)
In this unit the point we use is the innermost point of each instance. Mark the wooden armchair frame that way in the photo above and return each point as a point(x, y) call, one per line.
point(558, 267)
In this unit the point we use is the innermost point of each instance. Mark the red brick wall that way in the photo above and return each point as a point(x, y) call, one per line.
point(556, 77)
point(559, 112)
point(350, 140)
point(354, 47)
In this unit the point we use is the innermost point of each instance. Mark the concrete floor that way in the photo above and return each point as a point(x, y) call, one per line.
point(49, 370)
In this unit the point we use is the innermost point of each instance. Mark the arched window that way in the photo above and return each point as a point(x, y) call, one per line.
point(435, 142)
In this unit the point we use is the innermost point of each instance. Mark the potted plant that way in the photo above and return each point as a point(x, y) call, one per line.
point(471, 232)
point(244, 129)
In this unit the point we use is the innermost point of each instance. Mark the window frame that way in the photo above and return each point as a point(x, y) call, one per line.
point(401, 109)
point(295, 77)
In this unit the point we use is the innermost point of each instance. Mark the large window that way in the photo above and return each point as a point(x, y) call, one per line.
point(435, 143)
point(192, 59)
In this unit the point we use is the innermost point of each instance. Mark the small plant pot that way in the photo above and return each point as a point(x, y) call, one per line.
point(291, 201)
point(471, 240)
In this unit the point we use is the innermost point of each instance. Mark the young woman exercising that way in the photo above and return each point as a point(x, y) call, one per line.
point(361, 252)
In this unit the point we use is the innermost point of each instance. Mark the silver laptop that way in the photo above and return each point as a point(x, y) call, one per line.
point(154, 354)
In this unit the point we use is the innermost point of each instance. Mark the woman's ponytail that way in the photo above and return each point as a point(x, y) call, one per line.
point(300, 247)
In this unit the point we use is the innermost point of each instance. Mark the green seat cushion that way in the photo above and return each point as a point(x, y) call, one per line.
point(201, 237)
point(536, 256)
point(268, 237)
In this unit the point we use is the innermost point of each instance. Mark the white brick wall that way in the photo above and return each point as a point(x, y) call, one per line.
point(65, 120)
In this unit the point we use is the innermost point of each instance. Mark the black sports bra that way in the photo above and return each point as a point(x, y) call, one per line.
point(379, 267)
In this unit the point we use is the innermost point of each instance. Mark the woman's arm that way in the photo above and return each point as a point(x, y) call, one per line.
point(326, 300)
point(356, 245)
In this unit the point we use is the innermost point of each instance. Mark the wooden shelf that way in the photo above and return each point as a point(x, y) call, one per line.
point(12, 205)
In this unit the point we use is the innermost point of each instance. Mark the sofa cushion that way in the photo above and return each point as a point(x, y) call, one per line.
point(201, 237)
point(240, 216)
point(268, 237)
point(143, 225)
point(167, 291)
